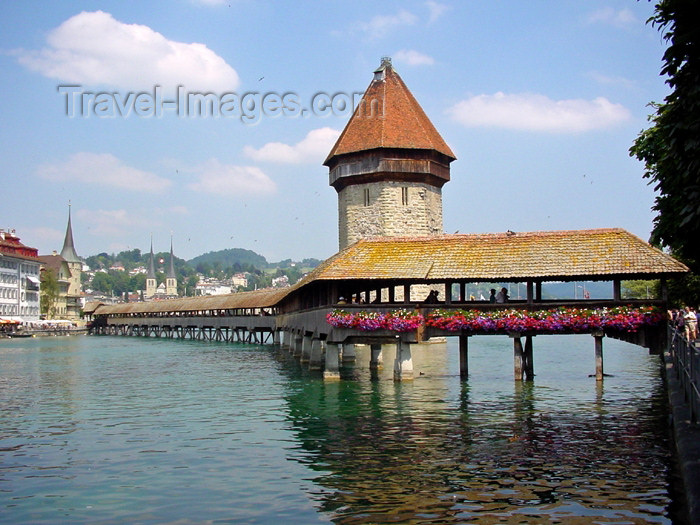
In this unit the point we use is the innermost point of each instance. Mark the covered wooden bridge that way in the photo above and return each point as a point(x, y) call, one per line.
point(384, 282)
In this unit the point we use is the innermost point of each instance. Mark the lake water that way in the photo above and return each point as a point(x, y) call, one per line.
point(116, 429)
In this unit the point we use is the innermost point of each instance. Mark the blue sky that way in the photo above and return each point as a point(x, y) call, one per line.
point(540, 101)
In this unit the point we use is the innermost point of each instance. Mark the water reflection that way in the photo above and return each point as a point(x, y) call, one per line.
point(122, 430)
point(440, 450)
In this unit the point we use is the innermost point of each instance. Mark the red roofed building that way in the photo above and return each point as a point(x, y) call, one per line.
point(19, 279)
point(389, 165)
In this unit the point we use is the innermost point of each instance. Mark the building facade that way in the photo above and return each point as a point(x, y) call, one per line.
point(19, 279)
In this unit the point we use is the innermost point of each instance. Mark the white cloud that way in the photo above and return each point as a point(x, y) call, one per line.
point(210, 3)
point(229, 180)
point(42, 235)
point(111, 222)
point(95, 49)
point(380, 25)
point(534, 112)
point(104, 169)
point(413, 58)
point(436, 10)
point(612, 80)
point(607, 15)
point(313, 148)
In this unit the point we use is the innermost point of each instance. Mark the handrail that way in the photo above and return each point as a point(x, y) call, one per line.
point(686, 361)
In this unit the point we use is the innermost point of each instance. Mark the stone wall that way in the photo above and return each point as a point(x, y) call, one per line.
point(388, 209)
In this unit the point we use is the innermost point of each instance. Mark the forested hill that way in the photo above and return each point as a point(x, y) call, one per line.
point(230, 257)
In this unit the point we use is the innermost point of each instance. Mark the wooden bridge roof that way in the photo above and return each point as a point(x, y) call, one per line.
point(256, 299)
point(592, 254)
point(600, 254)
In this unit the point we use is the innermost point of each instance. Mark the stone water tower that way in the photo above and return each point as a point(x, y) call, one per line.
point(389, 165)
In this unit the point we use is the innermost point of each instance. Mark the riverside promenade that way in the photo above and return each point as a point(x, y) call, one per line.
point(683, 383)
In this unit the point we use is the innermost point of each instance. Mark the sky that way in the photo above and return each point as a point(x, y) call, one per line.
point(208, 121)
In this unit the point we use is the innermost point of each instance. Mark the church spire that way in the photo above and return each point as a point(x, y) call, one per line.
point(151, 264)
point(68, 251)
point(171, 268)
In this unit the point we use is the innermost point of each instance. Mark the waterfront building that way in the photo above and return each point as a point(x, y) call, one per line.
point(389, 165)
point(19, 279)
point(67, 268)
point(75, 265)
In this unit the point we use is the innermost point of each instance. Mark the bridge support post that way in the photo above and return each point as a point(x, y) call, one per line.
point(376, 360)
point(296, 352)
point(349, 355)
point(518, 357)
point(463, 356)
point(529, 363)
point(332, 369)
point(305, 349)
point(276, 337)
point(403, 364)
point(598, 336)
point(316, 354)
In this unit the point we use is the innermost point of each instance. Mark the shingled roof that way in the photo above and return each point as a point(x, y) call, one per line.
point(388, 116)
point(256, 299)
point(556, 255)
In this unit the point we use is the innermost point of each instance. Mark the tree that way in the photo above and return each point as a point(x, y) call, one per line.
point(48, 296)
point(670, 148)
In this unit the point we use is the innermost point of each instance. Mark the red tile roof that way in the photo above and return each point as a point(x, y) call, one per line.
point(388, 117)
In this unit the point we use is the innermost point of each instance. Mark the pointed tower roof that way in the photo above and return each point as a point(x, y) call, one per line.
point(68, 251)
point(171, 268)
point(388, 116)
point(151, 264)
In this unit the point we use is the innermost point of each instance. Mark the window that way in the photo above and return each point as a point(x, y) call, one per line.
point(404, 196)
point(366, 194)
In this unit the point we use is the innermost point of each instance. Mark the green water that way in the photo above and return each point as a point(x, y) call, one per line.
point(128, 430)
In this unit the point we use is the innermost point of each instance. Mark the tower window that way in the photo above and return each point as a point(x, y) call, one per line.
point(404, 196)
point(366, 196)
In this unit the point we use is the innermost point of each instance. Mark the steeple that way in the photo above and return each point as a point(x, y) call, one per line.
point(171, 278)
point(171, 268)
point(151, 282)
point(151, 264)
point(68, 251)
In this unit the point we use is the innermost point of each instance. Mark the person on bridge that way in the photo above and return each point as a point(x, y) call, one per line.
point(691, 324)
point(502, 296)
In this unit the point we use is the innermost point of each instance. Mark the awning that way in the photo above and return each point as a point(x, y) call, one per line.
point(33, 279)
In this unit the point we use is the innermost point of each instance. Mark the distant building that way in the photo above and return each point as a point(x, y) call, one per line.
point(280, 282)
point(151, 280)
point(212, 287)
point(67, 268)
point(171, 277)
point(239, 280)
point(166, 290)
point(19, 279)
